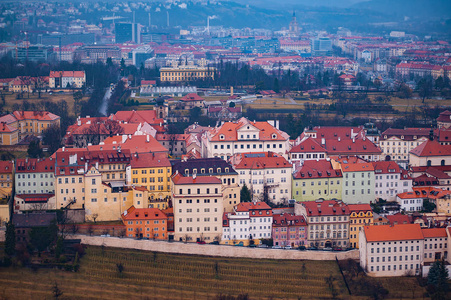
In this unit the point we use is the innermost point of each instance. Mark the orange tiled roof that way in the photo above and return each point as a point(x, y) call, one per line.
point(35, 115)
point(179, 179)
point(144, 214)
point(399, 232)
point(248, 206)
point(150, 160)
point(359, 207)
point(260, 160)
point(431, 148)
point(434, 232)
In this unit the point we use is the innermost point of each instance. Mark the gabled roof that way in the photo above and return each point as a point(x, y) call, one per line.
point(35, 165)
point(135, 144)
point(398, 219)
point(191, 97)
point(228, 131)
point(35, 115)
point(399, 232)
point(359, 207)
point(143, 214)
point(140, 116)
point(6, 166)
point(250, 206)
point(5, 128)
point(386, 167)
point(325, 208)
point(285, 219)
point(54, 74)
point(315, 169)
point(150, 160)
point(309, 145)
point(431, 148)
point(445, 116)
point(357, 167)
point(259, 160)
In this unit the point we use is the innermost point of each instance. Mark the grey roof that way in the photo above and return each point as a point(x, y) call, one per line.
point(203, 163)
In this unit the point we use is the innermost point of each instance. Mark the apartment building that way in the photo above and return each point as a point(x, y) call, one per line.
point(186, 73)
point(198, 207)
point(9, 135)
point(6, 178)
point(67, 79)
point(244, 136)
point(396, 144)
point(390, 180)
point(308, 149)
point(317, 179)
point(267, 174)
point(358, 179)
point(30, 122)
point(147, 223)
point(435, 244)
point(430, 154)
point(152, 171)
point(289, 230)
point(391, 250)
point(35, 176)
point(360, 215)
point(249, 221)
point(217, 167)
point(328, 222)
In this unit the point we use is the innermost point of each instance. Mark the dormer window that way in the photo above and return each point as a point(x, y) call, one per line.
point(274, 136)
point(414, 137)
point(202, 171)
point(218, 170)
point(186, 171)
point(194, 171)
point(226, 170)
point(402, 137)
point(222, 137)
point(210, 170)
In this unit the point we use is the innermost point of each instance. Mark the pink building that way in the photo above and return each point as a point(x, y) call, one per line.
point(289, 230)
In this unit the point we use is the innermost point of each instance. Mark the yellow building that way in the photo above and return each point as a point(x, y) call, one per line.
point(315, 180)
point(360, 215)
point(153, 172)
point(6, 179)
point(186, 73)
point(27, 123)
point(9, 135)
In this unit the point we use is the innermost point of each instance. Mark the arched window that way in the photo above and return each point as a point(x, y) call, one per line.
point(442, 162)
point(429, 163)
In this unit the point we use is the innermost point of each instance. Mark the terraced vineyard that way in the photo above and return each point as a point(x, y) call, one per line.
point(148, 275)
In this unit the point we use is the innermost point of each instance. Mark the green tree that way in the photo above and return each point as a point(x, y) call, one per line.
point(425, 88)
point(275, 86)
point(10, 239)
point(438, 280)
point(245, 194)
point(428, 206)
point(194, 114)
point(34, 149)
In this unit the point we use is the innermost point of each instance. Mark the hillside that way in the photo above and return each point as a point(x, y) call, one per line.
point(411, 8)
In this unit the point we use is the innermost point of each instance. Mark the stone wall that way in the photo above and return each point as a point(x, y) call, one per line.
point(214, 250)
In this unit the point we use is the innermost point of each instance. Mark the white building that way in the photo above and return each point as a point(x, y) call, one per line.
point(390, 180)
point(410, 201)
point(244, 136)
point(35, 176)
point(391, 250)
point(248, 221)
point(264, 172)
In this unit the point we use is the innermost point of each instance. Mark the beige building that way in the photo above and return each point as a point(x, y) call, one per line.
point(198, 207)
point(328, 222)
point(244, 136)
point(435, 244)
point(28, 123)
point(186, 73)
point(391, 250)
point(360, 215)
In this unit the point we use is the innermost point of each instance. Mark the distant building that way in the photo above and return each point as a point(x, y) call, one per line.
point(360, 215)
point(24, 223)
point(294, 26)
point(321, 46)
point(65, 79)
point(186, 73)
point(289, 230)
point(33, 53)
point(28, 123)
point(128, 32)
point(148, 223)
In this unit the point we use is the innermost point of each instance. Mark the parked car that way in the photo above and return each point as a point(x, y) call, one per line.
point(313, 248)
point(327, 249)
point(214, 243)
point(337, 249)
point(201, 242)
point(252, 246)
point(288, 247)
point(262, 246)
point(276, 247)
point(302, 248)
point(240, 244)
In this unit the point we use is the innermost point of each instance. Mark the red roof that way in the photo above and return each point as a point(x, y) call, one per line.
point(191, 97)
point(398, 219)
point(445, 116)
point(229, 131)
point(144, 214)
point(140, 116)
point(399, 232)
point(309, 145)
point(135, 144)
point(6, 166)
point(250, 206)
point(7, 128)
point(35, 165)
point(259, 160)
point(35, 198)
point(148, 82)
point(431, 148)
point(325, 208)
point(35, 115)
point(312, 169)
point(285, 219)
point(434, 232)
point(54, 74)
point(179, 179)
point(150, 160)
point(386, 167)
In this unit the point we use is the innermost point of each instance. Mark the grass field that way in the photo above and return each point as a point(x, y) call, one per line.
point(149, 275)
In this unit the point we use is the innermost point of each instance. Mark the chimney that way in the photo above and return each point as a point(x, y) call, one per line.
point(339, 139)
point(124, 138)
point(147, 138)
point(64, 148)
point(323, 141)
point(97, 165)
point(79, 122)
point(353, 139)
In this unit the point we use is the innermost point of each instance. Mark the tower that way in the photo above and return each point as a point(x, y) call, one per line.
point(294, 26)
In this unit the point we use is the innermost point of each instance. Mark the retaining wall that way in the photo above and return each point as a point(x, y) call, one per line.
point(214, 250)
